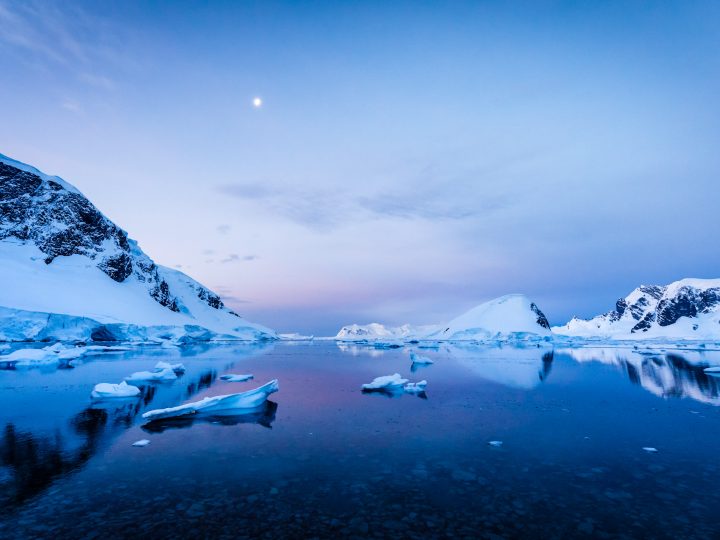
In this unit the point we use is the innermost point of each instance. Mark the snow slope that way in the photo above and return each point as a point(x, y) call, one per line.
point(511, 317)
point(68, 272)
point(687, 309)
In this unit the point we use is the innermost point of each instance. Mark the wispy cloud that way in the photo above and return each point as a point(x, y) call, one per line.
point(61, 34)
point(428, 195)
point(234, 257)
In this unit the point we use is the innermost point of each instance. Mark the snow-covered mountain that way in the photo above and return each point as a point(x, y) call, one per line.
point(685, 309)
point(513, 315)
point(68, 272)
point(510, 317)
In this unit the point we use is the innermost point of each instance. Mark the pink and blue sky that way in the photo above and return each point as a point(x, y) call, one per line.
point(410, 159)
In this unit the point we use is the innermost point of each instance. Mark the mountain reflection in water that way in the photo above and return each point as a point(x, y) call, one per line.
point(664, 374)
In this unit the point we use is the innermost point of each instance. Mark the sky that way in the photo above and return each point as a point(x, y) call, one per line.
point(410, 160)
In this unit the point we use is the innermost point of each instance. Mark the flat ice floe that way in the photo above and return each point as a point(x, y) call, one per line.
point(108, 391)
point(231, 377)
point(166, 374)
point(229, 404)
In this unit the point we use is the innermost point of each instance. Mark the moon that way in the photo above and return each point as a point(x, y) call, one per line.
point(257, 102)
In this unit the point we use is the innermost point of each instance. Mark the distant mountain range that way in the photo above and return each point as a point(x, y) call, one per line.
point(68, 272)
point(688, 309)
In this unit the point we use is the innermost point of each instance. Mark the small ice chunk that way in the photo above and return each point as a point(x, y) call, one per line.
point(177, 368)
point(141, 443)
point(386, 382)
point(712, 369)
point(232, 377)
point(107, 390)
point(496, 444)
point(166, 374)
point(417, 359)
point(650, 449)
point(415, 388)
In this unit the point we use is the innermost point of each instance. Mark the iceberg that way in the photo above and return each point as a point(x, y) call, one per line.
point(108, 391)
point(417, 359)
point(231, 377)
point(394, 384)
point(495, 444)
point(713, 369)
point(166, 374)
point(141, 443)
point(387, 383)
point(177, 368)
point(264, 415)
point(218, 405)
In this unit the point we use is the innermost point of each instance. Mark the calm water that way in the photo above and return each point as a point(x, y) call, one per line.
point(325, 460)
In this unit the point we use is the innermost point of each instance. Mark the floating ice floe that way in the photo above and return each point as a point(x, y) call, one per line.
point(230, 404)
point(394, 384)
point(166, 374)
point(231, 377)
point(108, 390)
point(30, 357)
point(177, 368)
point(386, 382)
point(496, 444)
point(713, 369)
point(141, 443)
point(415, 388)
point(650, 449)
point(417, 359)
